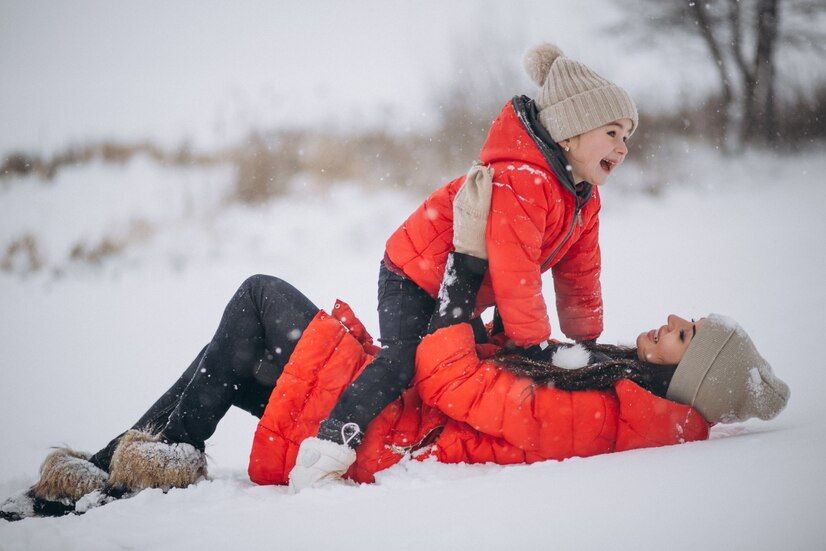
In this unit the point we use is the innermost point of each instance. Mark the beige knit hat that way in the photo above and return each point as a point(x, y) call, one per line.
point(572, 98)
point(724, 377)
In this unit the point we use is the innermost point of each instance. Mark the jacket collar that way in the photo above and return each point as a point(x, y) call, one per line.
point(528, 114)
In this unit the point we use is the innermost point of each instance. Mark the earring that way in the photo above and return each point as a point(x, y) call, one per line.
point(567, 148)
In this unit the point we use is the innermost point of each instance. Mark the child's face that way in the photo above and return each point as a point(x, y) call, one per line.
point(596, 153)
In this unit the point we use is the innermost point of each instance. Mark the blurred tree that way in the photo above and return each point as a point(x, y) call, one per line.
point(473, 95)
point(742, 38)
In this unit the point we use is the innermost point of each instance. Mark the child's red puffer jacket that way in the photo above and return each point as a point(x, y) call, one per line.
point(462, 408)
point(537, 221)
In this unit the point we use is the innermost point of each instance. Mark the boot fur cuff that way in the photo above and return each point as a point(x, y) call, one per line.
point(142, 460)
point(67, 475)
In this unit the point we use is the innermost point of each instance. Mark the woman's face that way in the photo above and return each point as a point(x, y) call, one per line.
point(667, 345)
point(596, 153)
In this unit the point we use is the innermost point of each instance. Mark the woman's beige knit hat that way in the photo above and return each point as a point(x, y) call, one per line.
point(572, 98)
point(723, 376)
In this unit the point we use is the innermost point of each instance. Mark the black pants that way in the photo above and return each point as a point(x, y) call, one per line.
point(404, 313)
point(239, 367)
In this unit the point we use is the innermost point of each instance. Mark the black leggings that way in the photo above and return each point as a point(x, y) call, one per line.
point(239, 367)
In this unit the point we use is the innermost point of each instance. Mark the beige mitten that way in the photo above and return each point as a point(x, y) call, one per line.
point(471, 207)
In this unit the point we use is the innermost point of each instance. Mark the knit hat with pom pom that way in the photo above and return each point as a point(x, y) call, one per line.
point(572, 98)
point(725, 378)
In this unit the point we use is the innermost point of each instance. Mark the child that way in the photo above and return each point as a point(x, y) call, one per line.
point(547, 156)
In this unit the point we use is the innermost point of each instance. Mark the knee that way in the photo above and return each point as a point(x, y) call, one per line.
point(402, 366)
point(404, 376)
point(259, 282)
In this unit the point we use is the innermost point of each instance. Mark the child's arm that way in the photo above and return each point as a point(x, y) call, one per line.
point(467, 264)
point(577, 287)
point(514, 238)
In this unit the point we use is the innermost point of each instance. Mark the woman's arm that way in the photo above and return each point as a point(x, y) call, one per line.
point(539, 419)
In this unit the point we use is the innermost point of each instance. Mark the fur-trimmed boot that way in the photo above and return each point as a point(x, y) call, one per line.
point(66, 475)
point(143, 460)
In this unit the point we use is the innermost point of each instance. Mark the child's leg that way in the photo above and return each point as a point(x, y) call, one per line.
point(255, 338)
point(404, 313)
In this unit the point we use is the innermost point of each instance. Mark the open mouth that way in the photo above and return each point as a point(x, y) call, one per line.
point(607, 165)
point(654, 335)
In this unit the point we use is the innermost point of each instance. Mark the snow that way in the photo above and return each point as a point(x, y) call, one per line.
point(448, 280)
point(86, 351)
point(540, 174)
point(755, 382)
point(84, 205)
point(725, 322)
point(19, 504)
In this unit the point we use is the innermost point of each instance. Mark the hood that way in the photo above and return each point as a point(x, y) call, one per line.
point(517, 135)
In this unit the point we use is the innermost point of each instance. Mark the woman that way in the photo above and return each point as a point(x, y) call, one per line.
point(477, 403)
point(469, 403)
point(279, 357)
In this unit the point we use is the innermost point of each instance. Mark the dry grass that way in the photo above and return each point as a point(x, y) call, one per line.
point(24, 164)
point(267, 163)
point(22, 255)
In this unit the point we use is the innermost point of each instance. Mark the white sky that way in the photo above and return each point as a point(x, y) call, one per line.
point(208, 71)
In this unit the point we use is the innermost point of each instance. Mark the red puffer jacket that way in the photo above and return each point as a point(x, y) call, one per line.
point(536, 222)
point(462, 408)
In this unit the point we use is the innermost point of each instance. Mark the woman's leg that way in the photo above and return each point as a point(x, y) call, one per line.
point(156, 416)
point(265, 315)
point(255, 338)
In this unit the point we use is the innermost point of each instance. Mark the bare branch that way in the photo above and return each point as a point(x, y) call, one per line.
point(806, 40)
point(736, 41)
point(643, 16)
point(804, 7)
point(701, 14)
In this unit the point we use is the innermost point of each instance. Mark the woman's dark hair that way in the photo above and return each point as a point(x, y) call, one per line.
point(613, 363)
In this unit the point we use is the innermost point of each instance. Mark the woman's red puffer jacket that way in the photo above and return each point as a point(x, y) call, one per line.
point(536, 222)
point(462, 408)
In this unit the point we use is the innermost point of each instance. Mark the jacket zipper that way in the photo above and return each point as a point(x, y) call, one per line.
point(577, 217)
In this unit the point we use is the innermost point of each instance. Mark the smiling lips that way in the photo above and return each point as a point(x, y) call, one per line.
point(607, 165)
point(654, 335)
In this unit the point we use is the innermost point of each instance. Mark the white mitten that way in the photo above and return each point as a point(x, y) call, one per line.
point(471, 207)
point(319, 463)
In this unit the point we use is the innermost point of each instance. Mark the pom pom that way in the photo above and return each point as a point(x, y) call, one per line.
point(538, 61)
point(571, 357)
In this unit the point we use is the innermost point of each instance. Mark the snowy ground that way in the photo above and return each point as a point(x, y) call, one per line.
point(83, 353)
